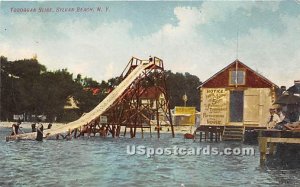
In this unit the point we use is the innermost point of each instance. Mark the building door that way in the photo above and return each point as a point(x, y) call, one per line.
point(236, 106)
point(252, 106)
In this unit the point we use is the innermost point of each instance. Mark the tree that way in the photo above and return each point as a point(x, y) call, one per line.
point(19, 79)
point(27, 87)
point(57, 87)
point(179, 84)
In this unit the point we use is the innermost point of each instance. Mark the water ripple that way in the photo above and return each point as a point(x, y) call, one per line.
point(104, 162)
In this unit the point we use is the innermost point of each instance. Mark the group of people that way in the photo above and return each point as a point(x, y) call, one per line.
point(35, 127)
point(103, 130)
point(280, 120)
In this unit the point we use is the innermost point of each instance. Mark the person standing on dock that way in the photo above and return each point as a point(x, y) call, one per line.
point(273, 120)
point(39, 131)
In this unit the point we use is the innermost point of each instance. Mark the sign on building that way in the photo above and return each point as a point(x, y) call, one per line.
point(214, 106)
point(103, 119)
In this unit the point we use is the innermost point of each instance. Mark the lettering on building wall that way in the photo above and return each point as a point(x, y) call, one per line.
point(214, 106)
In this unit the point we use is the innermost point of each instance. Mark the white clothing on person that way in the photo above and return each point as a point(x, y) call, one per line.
point(281, 116)
point(274, 119)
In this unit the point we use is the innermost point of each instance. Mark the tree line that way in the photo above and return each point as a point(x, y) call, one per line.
point(27, 87)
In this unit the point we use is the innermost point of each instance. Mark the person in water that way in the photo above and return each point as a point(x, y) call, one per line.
point(33, 127)
point(15, 129)
point(39, 131)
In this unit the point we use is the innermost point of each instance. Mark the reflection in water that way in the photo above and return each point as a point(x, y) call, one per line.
point(104, 162)
point(286, 157)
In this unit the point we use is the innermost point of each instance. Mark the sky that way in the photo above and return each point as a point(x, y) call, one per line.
point(196, 37)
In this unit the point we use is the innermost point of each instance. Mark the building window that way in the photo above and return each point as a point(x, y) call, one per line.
point(237, 77)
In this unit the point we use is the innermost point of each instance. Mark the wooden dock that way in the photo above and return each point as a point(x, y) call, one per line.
point(209, 133)
point(269, 139)
point(227, 133)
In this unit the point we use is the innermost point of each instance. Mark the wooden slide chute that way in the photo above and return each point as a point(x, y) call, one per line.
point(135, 71)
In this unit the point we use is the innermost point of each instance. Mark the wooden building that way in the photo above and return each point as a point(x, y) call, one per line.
point(185, 116)
point(236, 96)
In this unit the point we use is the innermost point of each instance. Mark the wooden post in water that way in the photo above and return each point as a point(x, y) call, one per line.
point(131, 132)
point(272, 148)
point(157, 120)
point(263, 149)
point(125, 131)
point(150, 130)
point(134, 131)
point(118, 131)
point(75, 132)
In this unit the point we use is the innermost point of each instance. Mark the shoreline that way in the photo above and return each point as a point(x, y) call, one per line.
point(5, 124)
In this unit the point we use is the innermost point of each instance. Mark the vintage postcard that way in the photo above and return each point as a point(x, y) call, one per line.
point(149, 93)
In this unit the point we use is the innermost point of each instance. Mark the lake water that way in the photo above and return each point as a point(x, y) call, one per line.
point(104, 162)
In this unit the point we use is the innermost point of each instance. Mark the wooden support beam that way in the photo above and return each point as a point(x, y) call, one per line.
point(272, 148)
point(125, 131)
point(272, 141)
point(157, 120)
point(283, 140)
point(131, 132)
point(118, 131)
point(134, 131)
point(263, 149)
point(200, 136)
point(75, 133)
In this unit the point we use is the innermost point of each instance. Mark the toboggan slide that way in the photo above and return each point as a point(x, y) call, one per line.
point(97, 111)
